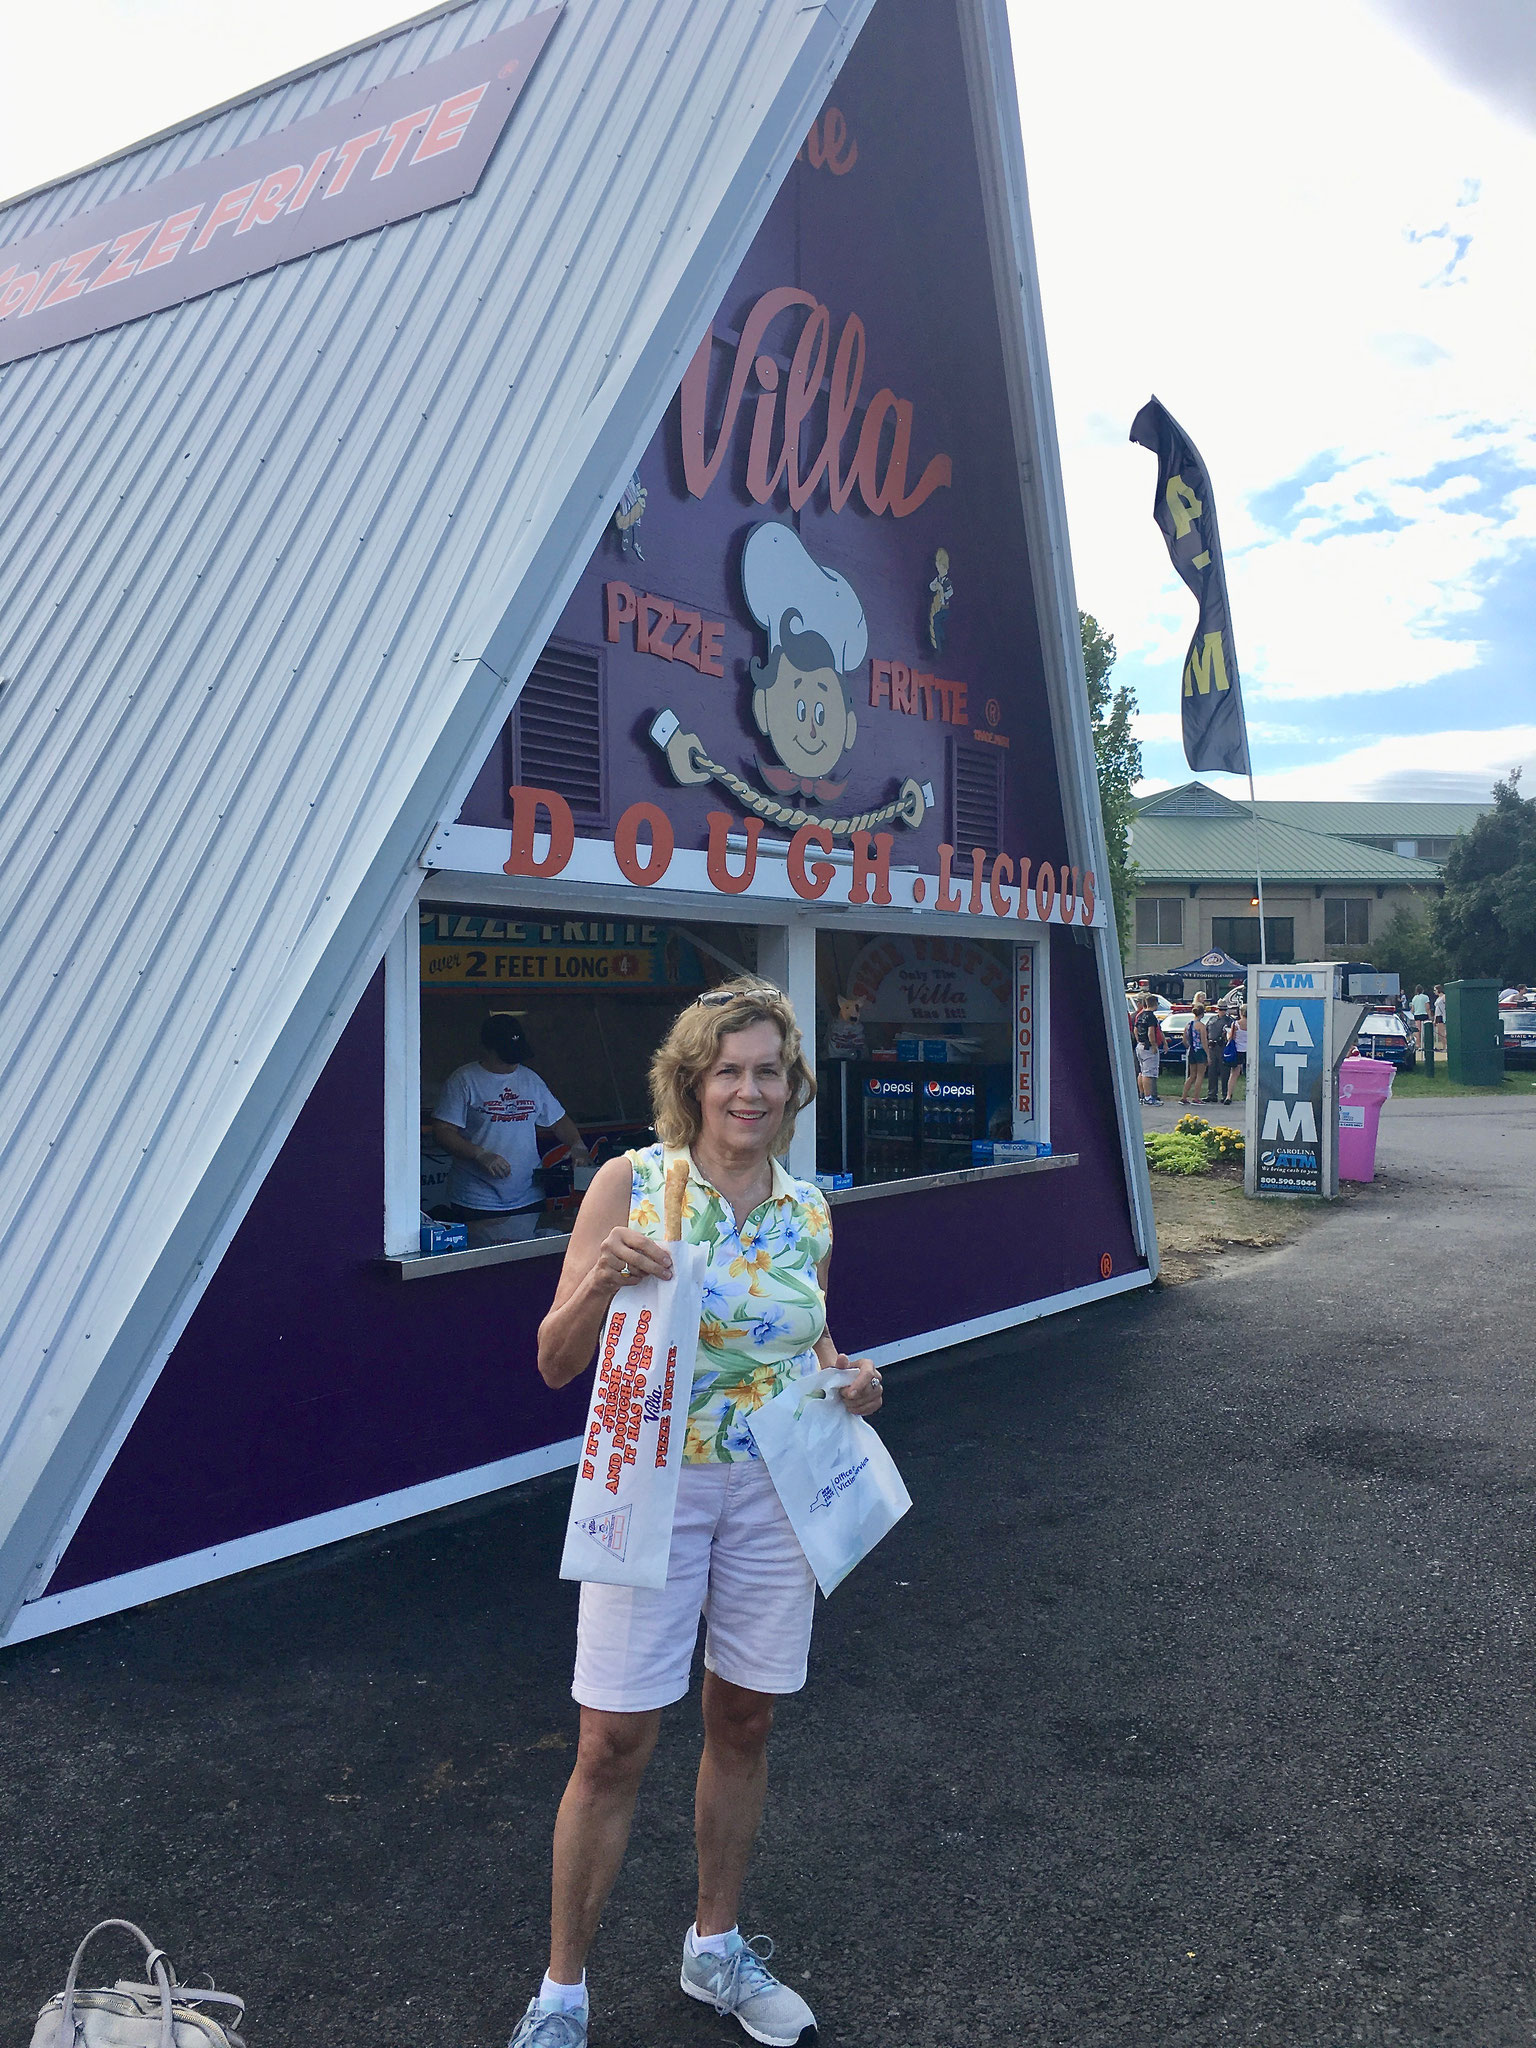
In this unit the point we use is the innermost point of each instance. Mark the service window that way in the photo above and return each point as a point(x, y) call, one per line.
point(1159, 920)
point(929, 1055)
point(535, 1027)
point(1346, 921)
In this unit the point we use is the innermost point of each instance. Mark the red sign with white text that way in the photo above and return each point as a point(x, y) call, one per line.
point(398, 149)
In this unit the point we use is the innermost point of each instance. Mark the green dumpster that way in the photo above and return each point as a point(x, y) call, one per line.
point(1474, 1043)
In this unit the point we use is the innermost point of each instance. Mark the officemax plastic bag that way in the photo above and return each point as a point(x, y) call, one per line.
point(837, 1481)
point(620, 1530)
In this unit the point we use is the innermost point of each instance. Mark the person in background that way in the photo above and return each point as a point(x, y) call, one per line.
point(1194, 1050)
point(1235, 1058)
point(1420, 1009)
point(1215, 1049)
point(488, 1119)
point(1439, 1018)
point(1148, 1034)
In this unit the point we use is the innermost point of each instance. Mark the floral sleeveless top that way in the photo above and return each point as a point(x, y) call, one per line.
point(763, 1304)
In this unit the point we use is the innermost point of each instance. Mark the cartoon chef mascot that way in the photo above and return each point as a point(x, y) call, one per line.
point(801, 701)
point(817, 637)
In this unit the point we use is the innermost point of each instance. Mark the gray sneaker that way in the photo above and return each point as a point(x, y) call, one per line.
point(740, 1983)
point(539, 2028)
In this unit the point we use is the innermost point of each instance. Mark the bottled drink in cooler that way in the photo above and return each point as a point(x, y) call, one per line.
point(950, 1120)
point(889, 1138)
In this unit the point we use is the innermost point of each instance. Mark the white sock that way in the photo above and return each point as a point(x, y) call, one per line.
point(709, 1944)
point(562, 1997)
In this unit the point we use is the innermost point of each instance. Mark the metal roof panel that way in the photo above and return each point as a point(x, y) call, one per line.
point(1407, 820)
point(273, 563)
point(1184, 849)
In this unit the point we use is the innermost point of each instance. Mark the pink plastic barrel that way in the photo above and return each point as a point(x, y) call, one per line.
point(1364, 1086)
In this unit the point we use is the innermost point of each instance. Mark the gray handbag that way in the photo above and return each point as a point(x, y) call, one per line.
point(158, 2014)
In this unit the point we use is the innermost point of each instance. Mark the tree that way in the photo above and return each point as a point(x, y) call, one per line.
point(1118, 753)
point(1485, 923)
point(1406, 947)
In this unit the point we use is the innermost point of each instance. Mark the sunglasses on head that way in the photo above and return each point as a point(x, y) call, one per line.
point(713, 998)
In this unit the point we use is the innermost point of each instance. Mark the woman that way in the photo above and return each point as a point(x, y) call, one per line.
point(1194, 1052)
point(1214, 1033)
point(726, 1087)
point(1236, 1054)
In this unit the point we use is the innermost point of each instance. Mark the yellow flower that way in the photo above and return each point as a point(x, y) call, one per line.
point(645, 1216)
point(712, 1333)
point(752, 1393)
point(751, 1262)
point(696, 1446)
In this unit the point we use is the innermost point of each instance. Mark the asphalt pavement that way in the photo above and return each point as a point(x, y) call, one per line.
point(1192, 1704)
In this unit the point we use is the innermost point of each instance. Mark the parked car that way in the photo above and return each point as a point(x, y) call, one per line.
point(1519, 1036)
point(1385, 1036)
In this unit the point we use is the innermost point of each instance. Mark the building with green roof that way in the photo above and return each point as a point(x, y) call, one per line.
point(1418, 831)
point(1327, 894)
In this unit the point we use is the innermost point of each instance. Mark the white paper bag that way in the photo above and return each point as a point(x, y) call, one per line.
point(837, 1481)
point(620, 1530)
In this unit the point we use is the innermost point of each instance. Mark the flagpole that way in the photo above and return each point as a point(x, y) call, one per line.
point(1258, 861)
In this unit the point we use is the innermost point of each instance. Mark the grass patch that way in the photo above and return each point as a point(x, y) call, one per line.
point(1418, 1087)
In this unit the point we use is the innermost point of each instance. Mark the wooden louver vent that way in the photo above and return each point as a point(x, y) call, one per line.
point(976, 799)
point(558, 729)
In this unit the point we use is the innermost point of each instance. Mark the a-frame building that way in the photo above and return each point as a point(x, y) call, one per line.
point(306, 474)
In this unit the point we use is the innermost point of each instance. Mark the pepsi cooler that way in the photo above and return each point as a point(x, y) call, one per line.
point(908, 1119)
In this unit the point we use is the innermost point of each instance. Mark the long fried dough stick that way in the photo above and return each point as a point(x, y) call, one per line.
point(677, 1185)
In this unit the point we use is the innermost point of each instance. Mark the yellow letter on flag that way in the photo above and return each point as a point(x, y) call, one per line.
point(1206, 664)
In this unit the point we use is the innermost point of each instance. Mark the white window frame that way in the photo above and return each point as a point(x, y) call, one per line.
point(786, 956)
point(1344, 902)
point(1157, 902)
point(402, 1090)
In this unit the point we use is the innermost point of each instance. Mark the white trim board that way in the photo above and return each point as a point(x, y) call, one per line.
point(55, 1612)
point(1007, 1318)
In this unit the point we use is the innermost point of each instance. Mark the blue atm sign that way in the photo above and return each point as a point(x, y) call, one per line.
point(1290, 1077)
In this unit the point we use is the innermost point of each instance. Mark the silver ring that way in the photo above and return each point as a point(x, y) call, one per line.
point(624, 1269)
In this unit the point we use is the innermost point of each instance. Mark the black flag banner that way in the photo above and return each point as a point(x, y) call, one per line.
point(1215, 731)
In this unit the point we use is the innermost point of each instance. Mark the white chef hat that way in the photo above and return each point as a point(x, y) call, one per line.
point(778, 576)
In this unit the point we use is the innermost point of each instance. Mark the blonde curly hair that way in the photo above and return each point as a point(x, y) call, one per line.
point(692, 1047)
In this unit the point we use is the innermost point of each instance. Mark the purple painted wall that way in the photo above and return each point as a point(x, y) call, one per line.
point(310, 1378)
point(898, 239)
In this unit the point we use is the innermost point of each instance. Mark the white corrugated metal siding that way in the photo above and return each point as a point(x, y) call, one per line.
point(271, 565)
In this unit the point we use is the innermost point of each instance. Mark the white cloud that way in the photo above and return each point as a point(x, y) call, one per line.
point(1317, 246)
point(1151, 727)
point(1491, 44)
point(1460, 765)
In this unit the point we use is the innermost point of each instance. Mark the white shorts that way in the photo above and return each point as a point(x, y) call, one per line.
point(1148, 1062)
point(735, 1560)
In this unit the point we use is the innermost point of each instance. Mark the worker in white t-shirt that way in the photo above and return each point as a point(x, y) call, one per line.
point(488, 1119)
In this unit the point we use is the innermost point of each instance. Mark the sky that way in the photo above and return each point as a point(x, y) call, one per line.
point(1307, 230)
